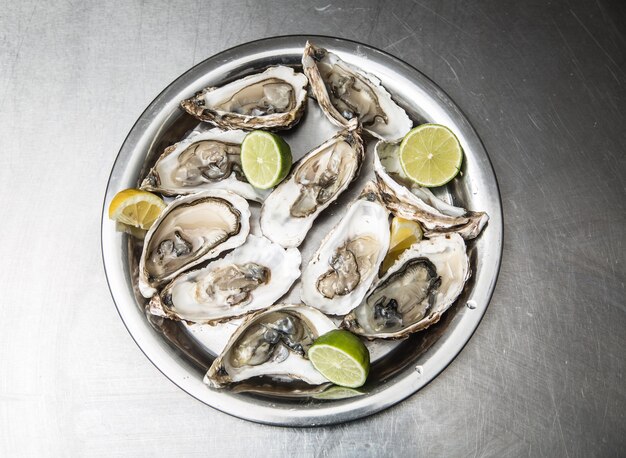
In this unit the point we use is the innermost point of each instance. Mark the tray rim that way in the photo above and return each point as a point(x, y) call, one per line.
point(326, 414)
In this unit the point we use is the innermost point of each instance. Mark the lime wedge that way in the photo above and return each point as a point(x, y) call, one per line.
point(431, 155)
point(341, 357)
point(334, 392)
point(265, 159)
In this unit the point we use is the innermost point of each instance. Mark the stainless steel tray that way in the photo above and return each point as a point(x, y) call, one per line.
point(399, 369)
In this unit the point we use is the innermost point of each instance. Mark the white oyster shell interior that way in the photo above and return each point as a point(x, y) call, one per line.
point(348, 259)
point(346, 92)
point(272, 343)
point(191, 230)
point(206, 159)
point(313, 184)
point(415, 292)
point(251, 277)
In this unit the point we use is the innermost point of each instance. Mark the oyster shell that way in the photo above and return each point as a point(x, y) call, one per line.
point(415, 292)
point(313, 184)
point(272, 343)
point(348, 259)
point(414, 202)
point(345, 92)
point(191, 230)
point(249, 278)
point(274, 99)
point(204, 160)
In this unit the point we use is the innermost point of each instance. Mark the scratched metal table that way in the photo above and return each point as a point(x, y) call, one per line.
point(543, 84)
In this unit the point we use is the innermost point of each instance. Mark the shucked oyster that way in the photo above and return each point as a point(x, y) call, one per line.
point(347, 261)
point(414, 202)
point(415, 291)
point(345, 92)
point(272, 343)
point(204, 160)
point(249, 278)
point(190, 230)
point(313, 184)
point(274, 99)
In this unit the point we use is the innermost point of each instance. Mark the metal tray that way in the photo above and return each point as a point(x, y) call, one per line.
point(400, 368)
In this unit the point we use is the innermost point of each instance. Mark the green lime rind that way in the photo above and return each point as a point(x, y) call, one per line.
point(335, 392)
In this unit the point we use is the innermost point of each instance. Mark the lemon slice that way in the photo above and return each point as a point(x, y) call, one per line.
point(341, 357)
point(431, 155)
point(265, 159)
point(137, 208)
point(404, 233)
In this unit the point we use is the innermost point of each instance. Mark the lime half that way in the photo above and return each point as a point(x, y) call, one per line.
point(431, 155)
point(265, 159)
point(341, 357)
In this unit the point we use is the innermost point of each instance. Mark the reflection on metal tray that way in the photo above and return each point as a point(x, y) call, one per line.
point(399, 368)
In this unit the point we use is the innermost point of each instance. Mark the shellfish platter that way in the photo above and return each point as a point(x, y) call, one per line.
point(240, 281)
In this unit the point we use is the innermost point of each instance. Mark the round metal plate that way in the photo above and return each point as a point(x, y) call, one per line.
point(399, 369)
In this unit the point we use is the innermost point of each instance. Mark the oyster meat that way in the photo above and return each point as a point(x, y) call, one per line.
point(410, 201)
point(274, 99)
point(272, 343)
point(249, 278)
point(345, 92)
point(204, 160)
point(191, 230)
point(415, 291)
point(313, 184)
point(348, 259)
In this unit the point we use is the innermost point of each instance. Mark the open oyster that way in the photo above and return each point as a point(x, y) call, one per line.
point(272, 343)
point(408, 200)
point(204, 160)
point(191, 230)
point(347, 261)
point(249, 278)
point(274, 99)
point(415, 291)
point(345, 92)
point(313, 184)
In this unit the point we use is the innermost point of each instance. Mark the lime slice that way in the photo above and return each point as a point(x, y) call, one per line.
point(265, 159)
point(431, 155)
point(335, 392)
point(341, 357)
point(404, 233)
point(135, 207)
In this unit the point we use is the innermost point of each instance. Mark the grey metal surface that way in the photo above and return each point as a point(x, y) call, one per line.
point(543, 83)
point(398, 369)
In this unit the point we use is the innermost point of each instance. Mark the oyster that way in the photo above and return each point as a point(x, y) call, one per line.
point(313, 184)
point(191, 230)
point(415, 292)
point(249, 278)
point(272, 343)
point(345, 92)
point(347, 261)
point(204, 160)
point(414, 202)
point(274, 99)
